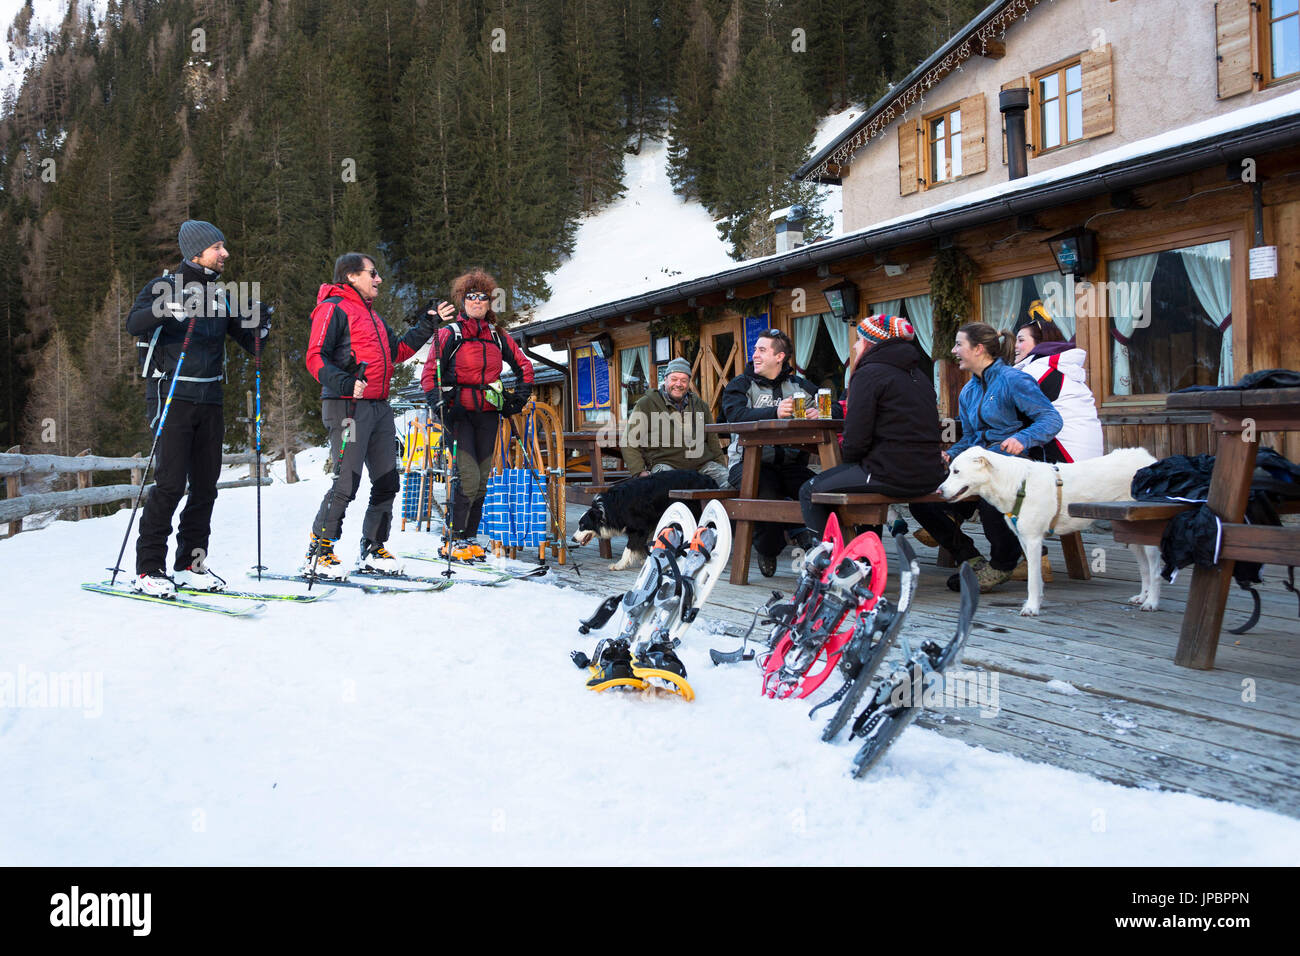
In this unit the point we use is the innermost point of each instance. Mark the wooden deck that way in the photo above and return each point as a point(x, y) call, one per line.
point(1090, 685)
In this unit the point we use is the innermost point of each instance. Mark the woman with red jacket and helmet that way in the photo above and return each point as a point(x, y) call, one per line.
point(470, 352)
point(353, 355)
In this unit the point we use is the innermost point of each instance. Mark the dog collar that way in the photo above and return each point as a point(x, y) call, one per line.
point(1013, 515)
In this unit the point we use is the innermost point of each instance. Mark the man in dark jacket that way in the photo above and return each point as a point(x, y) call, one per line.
point(766, 390)
point(891, 428)
point(346, 334)
point(189, 447)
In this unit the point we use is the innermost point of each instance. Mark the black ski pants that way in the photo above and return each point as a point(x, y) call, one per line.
point(777, 483)
point(475, 435)
point(371, 441)
point(189, 451)
point(944, 521)
point(849, 478)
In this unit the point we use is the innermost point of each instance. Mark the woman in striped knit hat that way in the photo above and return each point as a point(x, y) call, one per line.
point(892, 434)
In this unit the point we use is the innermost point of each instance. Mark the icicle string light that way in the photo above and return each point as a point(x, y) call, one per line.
point(993, 29)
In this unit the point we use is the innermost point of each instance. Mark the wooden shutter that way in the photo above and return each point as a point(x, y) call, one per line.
point(909, 157)
point(1098, 82)
point(1019, 83)
point(974, 148)
point(1232, 44)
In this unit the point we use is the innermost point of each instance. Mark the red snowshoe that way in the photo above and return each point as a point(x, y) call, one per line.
point(839, 585)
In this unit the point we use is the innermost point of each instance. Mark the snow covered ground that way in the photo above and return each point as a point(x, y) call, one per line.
point(452, 728)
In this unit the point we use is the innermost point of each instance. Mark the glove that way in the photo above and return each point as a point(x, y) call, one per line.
point(516, 399)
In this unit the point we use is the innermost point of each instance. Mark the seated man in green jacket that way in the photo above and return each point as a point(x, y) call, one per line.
point(666, 431)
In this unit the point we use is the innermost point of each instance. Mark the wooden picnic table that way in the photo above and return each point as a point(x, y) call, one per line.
point(595, 445)
point(1237, 418)
point(819, 434)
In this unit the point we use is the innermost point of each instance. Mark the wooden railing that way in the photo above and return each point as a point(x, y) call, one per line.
point(17, 505)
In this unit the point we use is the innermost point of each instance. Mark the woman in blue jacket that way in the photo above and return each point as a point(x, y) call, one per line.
point(1001, 409)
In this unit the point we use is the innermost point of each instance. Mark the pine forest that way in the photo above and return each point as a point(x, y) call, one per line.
point(432, 134)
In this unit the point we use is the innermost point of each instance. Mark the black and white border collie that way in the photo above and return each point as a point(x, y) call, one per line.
point(633, 508)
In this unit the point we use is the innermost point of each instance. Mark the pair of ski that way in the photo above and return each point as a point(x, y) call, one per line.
point(684, 562)
point(371, 582)
point(189, 603)
point(492, 576)
point(839, 619)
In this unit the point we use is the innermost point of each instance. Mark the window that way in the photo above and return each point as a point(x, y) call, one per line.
point(634, 372)
point(1282, 38)
point(1006, 304)
point(1059, 92)
point(1170, 321)
point(943, 139)
point(821, 348)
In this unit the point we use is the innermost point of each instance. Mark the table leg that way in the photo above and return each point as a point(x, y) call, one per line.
point(1234, 463)
point(743, 538)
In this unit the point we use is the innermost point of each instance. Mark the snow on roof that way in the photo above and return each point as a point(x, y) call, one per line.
point(1254, 115)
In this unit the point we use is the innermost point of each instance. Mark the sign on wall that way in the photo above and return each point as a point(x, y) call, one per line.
point(755, 325)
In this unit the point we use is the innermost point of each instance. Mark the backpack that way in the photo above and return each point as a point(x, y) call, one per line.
point(146, 346)
point(447, 359)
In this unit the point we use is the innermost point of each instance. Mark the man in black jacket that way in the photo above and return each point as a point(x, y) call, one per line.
point(766, 390)
point(189, 447)
point(891, 428)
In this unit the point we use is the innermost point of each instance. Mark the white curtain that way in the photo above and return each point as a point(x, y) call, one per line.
point(839, 333)
point(1210, 269)
point(1126, 276)
point(633, 363)
point(1066, 320)
point(805, 337)
point(1000, 303)
point(888, 307)
point(920, 312)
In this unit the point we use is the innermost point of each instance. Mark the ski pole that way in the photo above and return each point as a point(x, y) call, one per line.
point(162, 420)
point(257, 419)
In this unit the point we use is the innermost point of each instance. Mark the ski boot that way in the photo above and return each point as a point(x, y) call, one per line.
point(155, 584)
point(461, 550)
point(198, 578)
point(660, 668)
point(611, 668)
point(377, 559)
point(321, 562)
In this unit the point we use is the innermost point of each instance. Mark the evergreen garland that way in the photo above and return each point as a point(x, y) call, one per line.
point(951, 284)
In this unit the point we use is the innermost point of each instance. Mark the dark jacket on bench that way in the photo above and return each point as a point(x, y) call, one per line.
point(891, 425)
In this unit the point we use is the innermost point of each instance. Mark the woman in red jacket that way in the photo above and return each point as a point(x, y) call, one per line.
point(462, 380)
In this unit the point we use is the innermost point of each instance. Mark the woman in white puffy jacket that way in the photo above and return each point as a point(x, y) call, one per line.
point(1057, 367)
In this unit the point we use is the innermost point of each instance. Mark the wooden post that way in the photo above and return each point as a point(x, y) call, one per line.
point(12, 490)
point(137, 476)
point(1234, 463)
point(83, 481)
point(290, 467)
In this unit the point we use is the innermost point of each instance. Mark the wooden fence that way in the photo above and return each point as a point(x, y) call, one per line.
point(17, 505)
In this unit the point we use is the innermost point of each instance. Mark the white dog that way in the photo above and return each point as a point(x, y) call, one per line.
point(1045, 502)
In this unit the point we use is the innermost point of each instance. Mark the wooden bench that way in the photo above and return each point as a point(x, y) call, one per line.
point(871, 509)
point(1143, 522)
point(703, 494)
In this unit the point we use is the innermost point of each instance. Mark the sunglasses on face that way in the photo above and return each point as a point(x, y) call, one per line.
point(476, 297)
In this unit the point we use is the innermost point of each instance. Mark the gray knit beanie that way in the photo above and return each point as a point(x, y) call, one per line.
point(195, 236)
point(677, 365)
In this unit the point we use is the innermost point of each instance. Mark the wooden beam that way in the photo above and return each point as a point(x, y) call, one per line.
point(675, 308)
point(993, 49)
